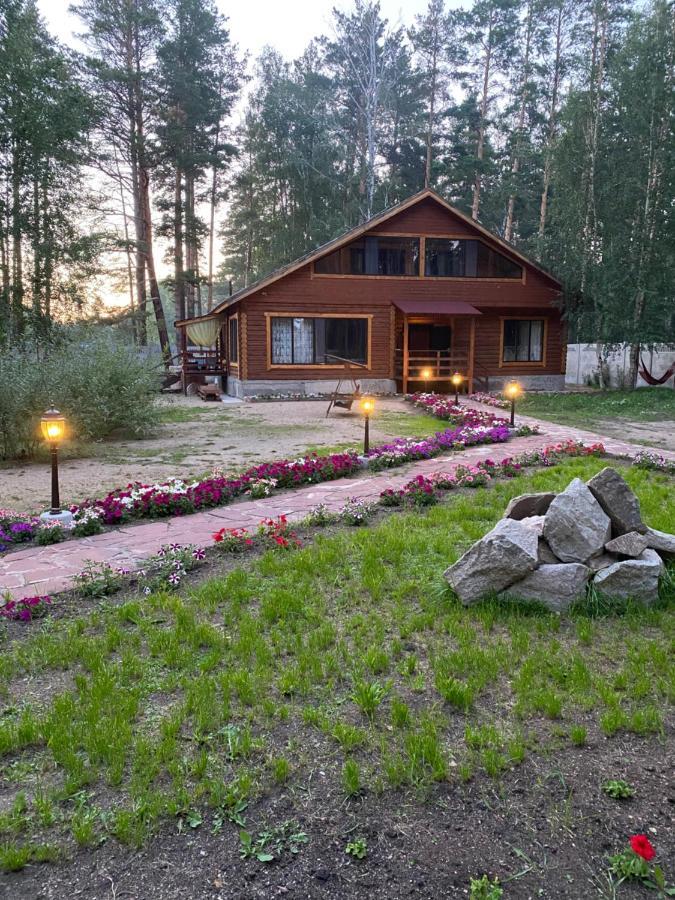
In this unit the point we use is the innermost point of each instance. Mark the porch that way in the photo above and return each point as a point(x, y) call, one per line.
point(435, 339)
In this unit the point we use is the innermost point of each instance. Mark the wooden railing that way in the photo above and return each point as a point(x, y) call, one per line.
point(438, 364)
point(201, 362)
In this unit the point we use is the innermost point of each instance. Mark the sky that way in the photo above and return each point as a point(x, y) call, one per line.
point(288, 26)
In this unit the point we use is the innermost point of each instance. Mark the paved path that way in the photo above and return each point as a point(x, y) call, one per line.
point(47, 570)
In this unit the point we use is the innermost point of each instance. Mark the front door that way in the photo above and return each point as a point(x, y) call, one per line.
point(429, 338)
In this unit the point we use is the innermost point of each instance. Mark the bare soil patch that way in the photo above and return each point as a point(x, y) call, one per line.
point(207, 435)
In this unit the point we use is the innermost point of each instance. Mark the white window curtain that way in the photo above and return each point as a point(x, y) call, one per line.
point(282, 342)
point(303, 341)
point(536, 340)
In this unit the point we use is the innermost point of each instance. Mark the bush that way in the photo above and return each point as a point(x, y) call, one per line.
point(98, 384)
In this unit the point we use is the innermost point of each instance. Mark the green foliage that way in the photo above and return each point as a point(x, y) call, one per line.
point(270, 844)
point(351, 778)
point(100, 386)
point(358, 848)
point(484, 888)
point(618, 789)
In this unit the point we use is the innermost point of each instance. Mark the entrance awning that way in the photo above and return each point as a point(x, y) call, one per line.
point(436, 307)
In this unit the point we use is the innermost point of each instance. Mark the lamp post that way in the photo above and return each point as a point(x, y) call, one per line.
point(367, 406)
point(513, 390)
point(53, 427)
point(426, 375)
point(456, 381)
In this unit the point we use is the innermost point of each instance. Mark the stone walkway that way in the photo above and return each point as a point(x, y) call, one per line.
point(47, 570)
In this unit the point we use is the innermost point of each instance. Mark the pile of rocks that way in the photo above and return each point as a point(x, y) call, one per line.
point(550, 547)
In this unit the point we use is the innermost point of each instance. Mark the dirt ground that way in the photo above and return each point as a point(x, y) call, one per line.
point(546, 829)
point(207, 435)
point(652, 434)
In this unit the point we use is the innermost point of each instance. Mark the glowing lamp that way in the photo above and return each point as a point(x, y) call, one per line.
point(367, 407)
point(456, 380)
point(512, 391)
point(53, 426)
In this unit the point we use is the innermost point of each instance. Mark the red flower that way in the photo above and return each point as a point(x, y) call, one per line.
point(641, 845)
point(218, 535)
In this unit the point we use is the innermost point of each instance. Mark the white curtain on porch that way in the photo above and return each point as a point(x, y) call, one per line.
point(203, 334)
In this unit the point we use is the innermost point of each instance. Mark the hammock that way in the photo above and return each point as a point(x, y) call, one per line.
point(646, 375)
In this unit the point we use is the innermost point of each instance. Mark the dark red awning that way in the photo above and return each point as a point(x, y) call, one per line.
point(436, 307)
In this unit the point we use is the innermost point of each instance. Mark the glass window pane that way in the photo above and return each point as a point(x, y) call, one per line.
point(282, 341)
point(233, 340)
point(444, 258)
point(491, 264)
point(523, 340)
point(347, 339)
point(303, 341)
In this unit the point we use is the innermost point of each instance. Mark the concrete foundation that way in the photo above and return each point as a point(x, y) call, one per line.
point(272, 388)
point(529, 382)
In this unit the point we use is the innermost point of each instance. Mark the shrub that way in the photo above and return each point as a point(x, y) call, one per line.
point(98, 384)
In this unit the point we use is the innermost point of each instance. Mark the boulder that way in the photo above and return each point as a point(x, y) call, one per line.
point(528, 505)
point(576, 527)
point(597, 563)
point(556, 586)
point(630, 544)
point(545, 554)
point(636, 579)
point(661, 541)
point(536, 523)
point(617, 500)
point(494, 562)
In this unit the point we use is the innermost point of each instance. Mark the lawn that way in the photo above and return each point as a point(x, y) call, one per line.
point(295, 703)
point(581, 409)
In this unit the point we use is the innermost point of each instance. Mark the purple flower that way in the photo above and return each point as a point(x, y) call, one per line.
point(174, 578)
point(198, 553)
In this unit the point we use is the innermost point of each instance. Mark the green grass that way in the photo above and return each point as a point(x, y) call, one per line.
point(583, 409)
point(184, 708)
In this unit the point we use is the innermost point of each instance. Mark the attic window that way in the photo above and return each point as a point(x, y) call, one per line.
point(373, 255)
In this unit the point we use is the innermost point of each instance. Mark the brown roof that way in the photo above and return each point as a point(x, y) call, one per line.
point(357, 231)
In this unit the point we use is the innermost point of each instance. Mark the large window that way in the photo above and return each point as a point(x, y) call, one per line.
point(233, 338)
point(450, 258)
point(320, 341)
point(373, 255)
point(523, 340)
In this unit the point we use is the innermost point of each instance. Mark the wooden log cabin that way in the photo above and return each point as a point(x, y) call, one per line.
point(406, 299)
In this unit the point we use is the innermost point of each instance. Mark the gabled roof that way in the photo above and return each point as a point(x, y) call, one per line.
point(356, 232)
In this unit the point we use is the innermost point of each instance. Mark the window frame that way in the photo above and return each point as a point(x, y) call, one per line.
point(528, 364)
point(233, 362)
point(376, 234)
point(322, 367)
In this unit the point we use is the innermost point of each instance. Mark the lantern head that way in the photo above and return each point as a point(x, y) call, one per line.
point(53, 426)
point(457, 379)
point(367, 405)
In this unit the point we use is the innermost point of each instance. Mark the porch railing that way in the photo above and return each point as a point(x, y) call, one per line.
point(440, 364)
point(201, 362)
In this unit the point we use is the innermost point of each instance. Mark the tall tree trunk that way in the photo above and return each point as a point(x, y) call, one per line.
point(155, 296)
point(179, 278)
point(127, 243)
point(552, 125)
point(482, 127)
point(17, 317)
point(515, 163)
point(432, 109)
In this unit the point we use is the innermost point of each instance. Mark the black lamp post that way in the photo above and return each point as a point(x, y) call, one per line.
point(53, 426)
point(513, 390)
point(456, 380)
point(367, 405)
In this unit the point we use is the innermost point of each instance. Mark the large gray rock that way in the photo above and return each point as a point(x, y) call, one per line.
point(618, 501)
point(528, 505)
point(504, 555)
point(576, 527)
point(630, 544)
point(661, 541)
point(596, 563)
point(636, 579)
point(556, 586)
point(534, 522)
point(545, 554)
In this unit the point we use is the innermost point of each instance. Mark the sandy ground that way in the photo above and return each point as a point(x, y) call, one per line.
point(652, 434)
point(215, 435)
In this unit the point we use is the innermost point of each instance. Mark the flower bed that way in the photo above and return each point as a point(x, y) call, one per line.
point(444, 407)
point(490, 400)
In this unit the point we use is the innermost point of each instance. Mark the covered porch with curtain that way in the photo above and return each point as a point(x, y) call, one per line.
point(434, 339)
point(203, 350)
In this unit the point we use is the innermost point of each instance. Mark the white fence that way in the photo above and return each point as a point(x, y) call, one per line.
point(583, 365)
